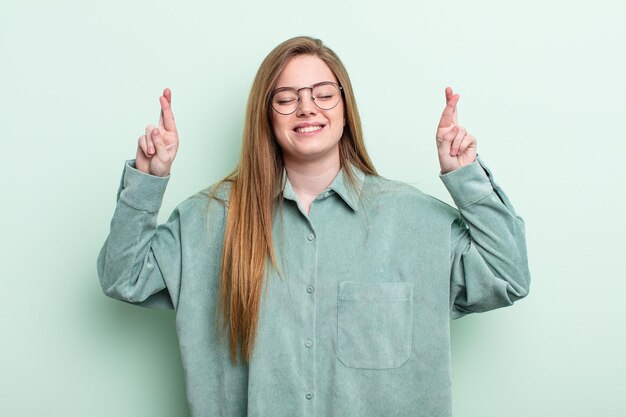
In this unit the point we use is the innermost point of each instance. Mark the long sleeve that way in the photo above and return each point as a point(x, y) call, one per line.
point(489, 264)
point(140, 262)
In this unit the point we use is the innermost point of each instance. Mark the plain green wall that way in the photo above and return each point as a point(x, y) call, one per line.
point(542, 88)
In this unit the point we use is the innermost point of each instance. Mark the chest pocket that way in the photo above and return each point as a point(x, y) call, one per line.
point(374, 324)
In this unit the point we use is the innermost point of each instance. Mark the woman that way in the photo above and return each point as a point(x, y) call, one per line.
point(333, 285)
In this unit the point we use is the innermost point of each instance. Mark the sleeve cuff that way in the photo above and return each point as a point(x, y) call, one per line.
point(468, 184)
point(141, 191)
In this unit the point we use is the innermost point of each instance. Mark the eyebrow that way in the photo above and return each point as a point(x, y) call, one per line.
point(308, 86)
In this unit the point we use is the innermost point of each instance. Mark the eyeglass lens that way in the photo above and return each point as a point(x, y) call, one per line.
point(325, 96)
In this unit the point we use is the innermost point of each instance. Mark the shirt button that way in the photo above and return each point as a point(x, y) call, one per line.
point(308, 343)
point(308, 395)
point(311, 237)
point(309, 289)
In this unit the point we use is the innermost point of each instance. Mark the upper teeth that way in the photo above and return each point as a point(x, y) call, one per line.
point(308, 129)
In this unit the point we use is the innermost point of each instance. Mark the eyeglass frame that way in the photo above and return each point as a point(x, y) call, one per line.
point(297, 90)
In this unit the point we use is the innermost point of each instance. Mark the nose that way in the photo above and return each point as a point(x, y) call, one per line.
point(306, 105)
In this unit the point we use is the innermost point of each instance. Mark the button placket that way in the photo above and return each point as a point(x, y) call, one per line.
point(310, 248)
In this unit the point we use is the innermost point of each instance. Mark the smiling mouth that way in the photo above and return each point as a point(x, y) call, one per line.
point(308, 129)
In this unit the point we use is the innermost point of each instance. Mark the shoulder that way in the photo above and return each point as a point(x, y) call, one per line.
point(220, 191)
point(210, 200)
point(383, 191)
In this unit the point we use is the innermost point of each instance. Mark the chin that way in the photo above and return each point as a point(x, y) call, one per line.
point(314, 154)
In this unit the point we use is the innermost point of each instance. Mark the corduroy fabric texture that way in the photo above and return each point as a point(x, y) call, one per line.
point(357, 323)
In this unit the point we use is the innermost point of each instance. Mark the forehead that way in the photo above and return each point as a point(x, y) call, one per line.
point(304, 70)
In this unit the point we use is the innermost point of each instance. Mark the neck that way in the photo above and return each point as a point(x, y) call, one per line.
point(309, 179)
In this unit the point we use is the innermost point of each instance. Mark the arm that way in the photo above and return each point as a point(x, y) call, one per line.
point(489, 262)
point(489, 265)
point(139, 260)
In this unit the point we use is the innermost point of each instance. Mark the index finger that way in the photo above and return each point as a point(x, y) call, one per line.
point(166, 118)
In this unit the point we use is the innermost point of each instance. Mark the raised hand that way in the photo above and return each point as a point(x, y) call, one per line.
point(157, 148)
point(456, 147)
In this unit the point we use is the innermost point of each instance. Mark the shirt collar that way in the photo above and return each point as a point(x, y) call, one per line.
point(340, 185)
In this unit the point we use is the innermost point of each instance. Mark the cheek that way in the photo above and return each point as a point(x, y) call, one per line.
point(276, 127)
point(341, 117)
point(279, 124)
point(340, 120)
point(280, 135)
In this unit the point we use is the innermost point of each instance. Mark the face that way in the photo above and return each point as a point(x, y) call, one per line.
point(309, 134)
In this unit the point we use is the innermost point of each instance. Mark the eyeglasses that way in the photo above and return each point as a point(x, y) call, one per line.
point(325, 95)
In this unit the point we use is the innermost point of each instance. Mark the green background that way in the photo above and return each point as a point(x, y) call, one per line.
point(542, 88)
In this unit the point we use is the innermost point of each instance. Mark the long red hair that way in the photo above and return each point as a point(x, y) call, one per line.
point(255, 190)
